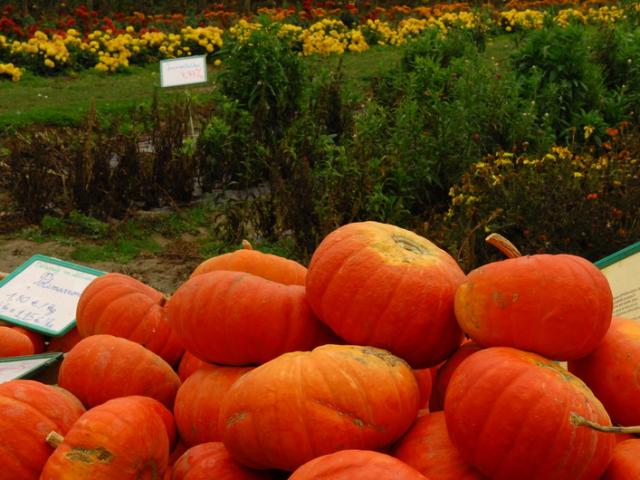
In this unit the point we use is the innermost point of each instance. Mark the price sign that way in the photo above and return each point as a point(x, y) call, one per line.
point(622, 269)
point(43, 293)
point(12, 368)
point(183, 71)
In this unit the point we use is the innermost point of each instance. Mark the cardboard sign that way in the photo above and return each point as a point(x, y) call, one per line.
point(43, 293)
point(622, 269)
point(12, 368)
point(183, 71)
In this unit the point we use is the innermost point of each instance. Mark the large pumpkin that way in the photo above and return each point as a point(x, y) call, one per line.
point(271, 267)
point(29, 410)
point(612, 371)
point(236, 318)
point(625, 464)
point(189, 364)
point(14, 343)
point(356, 465)
point(428, 448)
point(116, 304)
point(380, 285)
point(122, 439)
point(559, 306)
point(209, 461)
point(511, 414)
point(305, 404)
point(198, 402)
point(102, 367)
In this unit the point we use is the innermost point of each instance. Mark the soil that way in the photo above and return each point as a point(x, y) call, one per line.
point(165, 272)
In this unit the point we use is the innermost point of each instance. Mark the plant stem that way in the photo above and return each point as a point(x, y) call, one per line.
point(54, 439)
point(504, 245)
point(580, 421)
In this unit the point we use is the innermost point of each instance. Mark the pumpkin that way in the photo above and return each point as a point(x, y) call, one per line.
point(356, 465)
point(103, 367)
point(380, 285)
point(65, 342)
point(212, 461)
point(122, 439)
point(428, 448)
point(198, 402)
point(29, 410)
point(424, 377)
point(559, 306)
point(116, 304)
point(189, 364)
point(511, 414)
point(36, 339)
point(271, 267)
point(305, 404)
point(14, 343)
point(611, 371)
point(236, 318)
point(624, 463)
point(445, 371)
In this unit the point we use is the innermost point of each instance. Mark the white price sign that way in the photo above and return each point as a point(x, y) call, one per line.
point(12, 368)
point(183, 71)
point(622, 270)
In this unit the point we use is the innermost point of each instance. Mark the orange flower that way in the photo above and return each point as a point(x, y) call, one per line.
point(592, 196)
point(613, 132)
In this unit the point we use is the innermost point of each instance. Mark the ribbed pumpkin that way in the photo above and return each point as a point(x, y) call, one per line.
point(559, 306)
point(36, 339)
point(424, 377)
point(116, 304)
point(197, 404)
point(612, 371)
point(271, 267)
point(428, 448)
point(209, 461)
point(29, 410)
point(236, 318)
point(356, 465)
point(511, 414)
point(102, 367)
point(625, 464)
point(65, 342)
point(14, 343)
point(445, 372)
point(189, 364)
point(305, 404)
point(123, 439)
point(380, 285)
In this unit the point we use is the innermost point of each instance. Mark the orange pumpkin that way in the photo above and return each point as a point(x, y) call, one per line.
point(122, 439)
point(271, 267)
point(29, 410)
point(65, 342)
point(559, 306)
point(305, 404)
point(428, 448)
point(380, 285)
point(197, 404)
point(356, 465)
point(116, 304)
point(625, 464)
point(103, 367)
point(511, 414)
point(424, 377)
point(236, 318)
point(612, 371)
point(36, 339)
point(445, 371)
point(189, 364)
point(13, 343)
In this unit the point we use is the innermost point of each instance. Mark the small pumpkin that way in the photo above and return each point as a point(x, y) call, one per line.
point(13, 343)
point(36, 339)
point(424, 377)
point(511, 414)
point(119, 305)
point(212, 461)
point(305, 404)
point(356, 465)
point(444, 373)
point(271, 267)
point(236, 318)
point(381, 285)
point(611, 371)
point(122, 439)
point(558, 306)
point(428, 448)
point(624, 463)
point(29, 410)
point(197, 404)
point(103, 367)
point(189, 364)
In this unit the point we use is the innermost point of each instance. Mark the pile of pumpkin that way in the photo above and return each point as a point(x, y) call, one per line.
point(382, 360)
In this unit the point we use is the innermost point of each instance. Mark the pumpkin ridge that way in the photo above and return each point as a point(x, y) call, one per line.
point(304, 406)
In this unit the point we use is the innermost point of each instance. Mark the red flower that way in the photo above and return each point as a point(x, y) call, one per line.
point(592, 196)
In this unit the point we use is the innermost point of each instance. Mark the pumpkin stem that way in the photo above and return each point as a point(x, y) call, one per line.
point(246, 245)
point(504, 245)
point(580, 421)
point(54, 439)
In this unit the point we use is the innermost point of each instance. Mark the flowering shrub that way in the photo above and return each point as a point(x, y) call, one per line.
point(10, 71)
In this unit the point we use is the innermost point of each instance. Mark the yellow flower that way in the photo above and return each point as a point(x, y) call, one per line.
point(217, 62)
point(588, 130)
point(577, 175)
point(49, 63)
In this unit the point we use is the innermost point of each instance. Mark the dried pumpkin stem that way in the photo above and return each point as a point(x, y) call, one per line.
point(246, 245)
point(504, 245)
point(54, 439)
point(580, 421)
